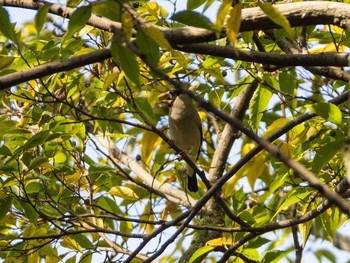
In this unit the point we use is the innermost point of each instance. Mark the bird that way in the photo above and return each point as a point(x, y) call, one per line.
point(185, 131)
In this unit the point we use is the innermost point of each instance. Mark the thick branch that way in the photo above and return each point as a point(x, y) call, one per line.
point(298, 14)
point(321, 59)
point(171, 194)
point(12, 79)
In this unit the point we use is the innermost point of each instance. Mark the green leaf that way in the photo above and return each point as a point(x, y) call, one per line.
point(144, 106)
point(199, 252)
point(273, 256)
point(328, 111)
point(100, 168)
point(193, 4)
point(257, 106)
point(35, 140)
point(83, 241)
point(108, 204)
point(5, 204)
point(73, 3)
point(288, 82)
point(37, 162)
point(6, 28)
point(325, 253)
point(257, 242)
point(4, 150)
point(33, 188)
point(127, 60)
point(157, 36)
point(276, 16)
point(77, 21)
point(7, 168)
point(108, 9)
point(40, 17)
point(148, 47)
point(5, 61)
point(86, 257)
point(296, 196)
point(30, 212)
point(324, 154)
point(194, 19)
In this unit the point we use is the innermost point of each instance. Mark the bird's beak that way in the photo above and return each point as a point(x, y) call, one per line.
point(165, 98)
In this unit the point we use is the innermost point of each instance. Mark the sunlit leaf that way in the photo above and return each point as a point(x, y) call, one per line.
point(276, 125)
point(59, 157)
point(221, 241)
point(199, 252)
point(108, 204)
point(73, 3)
point(257, 106)
point(126, 227)
point(234, 23)
point(324, 154)
point(83, 241)
point(224, 9)
point(150, 141)
point(276, 16)
point(328, 111)
point(5, 61)
point(124, 192)
point(273, 256)
point(296, 196)
point(70, 243)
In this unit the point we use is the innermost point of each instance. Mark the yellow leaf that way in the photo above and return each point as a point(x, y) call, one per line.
point(287, 149)
point(124, 192)
point(150, 141)
point(255, 168)
point(221, 241)
point(221, 16)
point(147, 215)
point(330, 47)
point(247, 147)
point(234, 23)
point(59, 157)
point(110, 79)
point(71, 243)
point(277, 124)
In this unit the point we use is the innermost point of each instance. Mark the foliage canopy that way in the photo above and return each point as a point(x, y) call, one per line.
point(87, 168)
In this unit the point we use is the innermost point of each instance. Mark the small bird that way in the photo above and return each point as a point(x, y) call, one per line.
point(186, 131)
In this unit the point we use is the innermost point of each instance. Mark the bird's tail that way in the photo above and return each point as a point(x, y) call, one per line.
point(192, 182)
